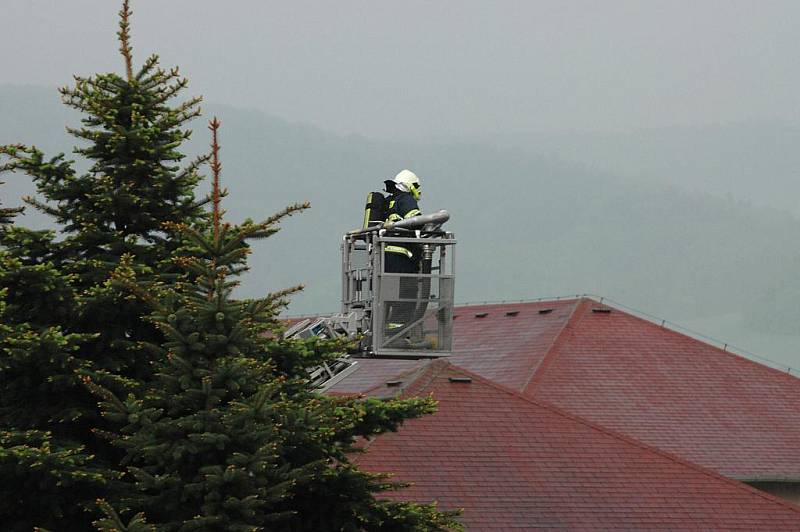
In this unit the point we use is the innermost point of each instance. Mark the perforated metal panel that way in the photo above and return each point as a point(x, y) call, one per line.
point(415, 314)
point(403, 315)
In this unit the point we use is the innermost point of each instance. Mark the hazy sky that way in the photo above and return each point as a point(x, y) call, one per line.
point(416, 68)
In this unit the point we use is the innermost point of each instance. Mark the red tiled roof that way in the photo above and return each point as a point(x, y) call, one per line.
point(663, 388)
point(370, 372)
point(512, 462)
point(681, 395)
point(508, 348)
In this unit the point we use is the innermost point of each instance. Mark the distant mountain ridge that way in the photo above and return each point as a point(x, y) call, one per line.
point(757, 161)
point(528, 225)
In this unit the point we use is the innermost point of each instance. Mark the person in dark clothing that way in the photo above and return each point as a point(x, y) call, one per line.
point(405, 193)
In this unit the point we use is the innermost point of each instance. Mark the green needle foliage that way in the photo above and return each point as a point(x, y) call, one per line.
point(47, 478)
point(62, 320)
point(130, 135)
point(7, 214)
point(39, 362)
point(230, 435)
point(113, 523)
point(207, 418)
point(50, 478)
point(46, 483)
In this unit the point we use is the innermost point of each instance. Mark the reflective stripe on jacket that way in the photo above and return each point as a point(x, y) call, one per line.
point(402, 206)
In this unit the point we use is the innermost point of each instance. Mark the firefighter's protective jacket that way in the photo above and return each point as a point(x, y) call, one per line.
point(402, 205)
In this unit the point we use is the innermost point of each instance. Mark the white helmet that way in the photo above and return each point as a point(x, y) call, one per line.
point(407, 181)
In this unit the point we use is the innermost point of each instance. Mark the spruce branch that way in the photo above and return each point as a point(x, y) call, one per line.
point(42, 207)
point(124, 35)
point(171, 90)
point(7, 214)
point(275, 300)
point(149, 64)
point(113, 523)
point(288, 211)
point(273, 297)
point(216, 169)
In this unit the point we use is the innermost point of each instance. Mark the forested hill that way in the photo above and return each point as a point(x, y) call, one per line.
point(756, 159)
point(527, 225)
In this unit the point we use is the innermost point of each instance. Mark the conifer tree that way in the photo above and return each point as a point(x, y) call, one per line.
point(230, 435)
point(131, 135)
point(226, 434)
point(36, 299)
point(47, 480)
point(61, 319)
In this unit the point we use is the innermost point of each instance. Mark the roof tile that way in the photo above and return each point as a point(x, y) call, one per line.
point(671, 391)
point(679, 394)
point(512, 462)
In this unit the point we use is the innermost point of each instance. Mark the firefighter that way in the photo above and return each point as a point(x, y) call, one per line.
point(403, 258)
point(405, 193)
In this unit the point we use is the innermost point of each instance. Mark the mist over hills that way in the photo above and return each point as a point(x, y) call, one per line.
point(756, 160)
point(543, 218)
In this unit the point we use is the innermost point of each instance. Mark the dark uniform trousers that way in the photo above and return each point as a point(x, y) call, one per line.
point(402, 206)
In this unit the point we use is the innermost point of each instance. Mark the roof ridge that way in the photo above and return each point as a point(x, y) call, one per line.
point(430, 367)
point(418, 370)
point(431, 370)
point(540, 301)
point(558, 340)
point(623, 437)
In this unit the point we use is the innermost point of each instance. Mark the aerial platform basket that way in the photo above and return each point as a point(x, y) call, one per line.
point(407, 315)
point(388, 314)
